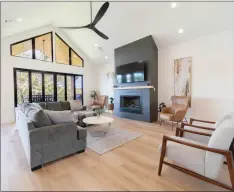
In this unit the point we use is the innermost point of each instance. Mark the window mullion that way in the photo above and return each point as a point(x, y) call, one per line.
point(74, 86)
point(30, 86)
point(65, 86)
point(33, 49)
point(70, 59)
point(43, 87)
point(55, 86)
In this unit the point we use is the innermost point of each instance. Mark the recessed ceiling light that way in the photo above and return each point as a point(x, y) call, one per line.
point(19, 19)
point(106, 57)
point(173, 5)
point(180, 30)
point(95, 45)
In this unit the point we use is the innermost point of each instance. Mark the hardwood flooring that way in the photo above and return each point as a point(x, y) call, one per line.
point(132, 166)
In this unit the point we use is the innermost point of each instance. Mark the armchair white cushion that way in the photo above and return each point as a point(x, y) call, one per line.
point(185, 156)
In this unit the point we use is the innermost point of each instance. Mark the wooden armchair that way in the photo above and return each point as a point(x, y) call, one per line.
point(175, 113)
point(197, 159)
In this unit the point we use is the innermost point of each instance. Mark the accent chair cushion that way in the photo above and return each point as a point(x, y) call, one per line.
point(65, 105)
point(54, 106)
point(96, 107)
point(199, 138)
point(185, 156)
point(76, 105)
point(59, 117)
point(166, 116)
point(39, 117)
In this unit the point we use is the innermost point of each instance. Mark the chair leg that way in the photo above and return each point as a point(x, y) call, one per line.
point(230, 168)
point(163, 151)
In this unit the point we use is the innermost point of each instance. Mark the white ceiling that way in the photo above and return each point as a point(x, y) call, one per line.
point(124, 22)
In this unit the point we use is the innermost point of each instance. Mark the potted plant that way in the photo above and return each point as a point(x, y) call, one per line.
point(93, 95)
point(111, 105)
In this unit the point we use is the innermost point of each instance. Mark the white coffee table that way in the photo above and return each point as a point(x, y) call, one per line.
point(97, 131)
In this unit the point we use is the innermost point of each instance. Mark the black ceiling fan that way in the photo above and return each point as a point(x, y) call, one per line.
point(92, 24)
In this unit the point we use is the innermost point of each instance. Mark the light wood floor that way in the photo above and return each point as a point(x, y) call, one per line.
point(132, 166)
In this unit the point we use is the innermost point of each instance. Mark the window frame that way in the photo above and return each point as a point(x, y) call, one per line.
point(33, 47)
point(30, 71)
point(69, 53)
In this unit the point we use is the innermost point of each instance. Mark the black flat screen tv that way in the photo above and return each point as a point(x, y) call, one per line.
point(132, 72)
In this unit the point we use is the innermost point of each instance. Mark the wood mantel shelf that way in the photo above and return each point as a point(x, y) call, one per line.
point(136, 87)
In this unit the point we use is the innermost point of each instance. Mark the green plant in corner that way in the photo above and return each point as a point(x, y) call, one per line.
point(93, 94)
point(111, 100)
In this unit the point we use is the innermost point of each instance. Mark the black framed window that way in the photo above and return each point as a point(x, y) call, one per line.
point(39, 86)
point(64, 54)
point(39, 47)
point(49, 87)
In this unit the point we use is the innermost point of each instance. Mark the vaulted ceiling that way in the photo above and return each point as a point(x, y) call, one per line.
point(124, 22)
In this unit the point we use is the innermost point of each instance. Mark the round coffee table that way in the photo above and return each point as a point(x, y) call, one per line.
point(98, 131)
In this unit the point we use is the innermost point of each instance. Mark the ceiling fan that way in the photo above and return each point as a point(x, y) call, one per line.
point(92, 24)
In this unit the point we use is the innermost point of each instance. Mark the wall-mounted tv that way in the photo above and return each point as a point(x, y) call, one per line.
point(132, 72)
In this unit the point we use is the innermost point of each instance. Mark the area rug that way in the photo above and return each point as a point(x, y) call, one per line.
point(114, 138)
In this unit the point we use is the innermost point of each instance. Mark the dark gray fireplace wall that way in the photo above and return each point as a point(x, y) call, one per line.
point(143, 49)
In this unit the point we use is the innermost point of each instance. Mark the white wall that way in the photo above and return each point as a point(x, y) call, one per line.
point(104, 88)
point(212, 74)
point(8, 62)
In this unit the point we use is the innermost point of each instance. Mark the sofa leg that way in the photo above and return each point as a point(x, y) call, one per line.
point(81, 151)
point(36, 168)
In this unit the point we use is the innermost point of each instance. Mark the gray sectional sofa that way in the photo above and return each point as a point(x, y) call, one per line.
point(44, 140)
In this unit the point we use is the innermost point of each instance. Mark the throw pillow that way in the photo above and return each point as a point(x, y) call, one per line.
point(39, 117)
point(59, 117)
point(65, 105)
point(36, 105)
point(76, 105)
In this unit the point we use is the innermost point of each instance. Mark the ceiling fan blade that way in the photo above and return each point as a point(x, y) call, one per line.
point(99, 33)
point(100, 13)
point(73, 27)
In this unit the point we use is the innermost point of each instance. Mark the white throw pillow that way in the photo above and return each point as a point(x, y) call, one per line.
point(59, 117)
point(76, 105)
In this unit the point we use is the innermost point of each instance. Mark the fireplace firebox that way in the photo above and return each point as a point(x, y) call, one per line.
point(131, 104)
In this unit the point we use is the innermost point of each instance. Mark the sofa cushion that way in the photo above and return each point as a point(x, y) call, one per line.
point(39, 117)
point(76, 105)
point(65, 105)
point(59, 117)
point(54, 106)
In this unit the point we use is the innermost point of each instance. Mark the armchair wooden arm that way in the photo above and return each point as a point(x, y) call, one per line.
point(199, 120)
point(197, 126)
point(226, 153)
point(180, 131)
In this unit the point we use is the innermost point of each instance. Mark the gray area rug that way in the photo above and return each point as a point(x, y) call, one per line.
point(102, 143)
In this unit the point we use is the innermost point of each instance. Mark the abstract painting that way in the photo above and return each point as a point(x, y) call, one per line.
point(183, 77)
